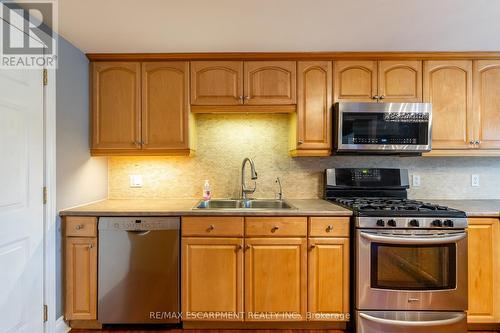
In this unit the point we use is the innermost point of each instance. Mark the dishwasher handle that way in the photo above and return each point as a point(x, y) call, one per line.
point(139, 224)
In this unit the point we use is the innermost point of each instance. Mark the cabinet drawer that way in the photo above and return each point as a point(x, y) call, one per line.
point(81, 226)
point(276, 226)
point(329, 226)
point(212, 226)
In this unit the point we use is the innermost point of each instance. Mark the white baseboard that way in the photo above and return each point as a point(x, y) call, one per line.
point(61, 326)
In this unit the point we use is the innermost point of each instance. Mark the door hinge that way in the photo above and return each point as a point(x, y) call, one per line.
point(45, 313)
point(45, 194)
point(45, 77)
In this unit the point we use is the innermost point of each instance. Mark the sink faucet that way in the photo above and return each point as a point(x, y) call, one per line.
point(244, 189)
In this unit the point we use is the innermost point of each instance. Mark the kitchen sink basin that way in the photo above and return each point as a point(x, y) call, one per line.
point(218, 204)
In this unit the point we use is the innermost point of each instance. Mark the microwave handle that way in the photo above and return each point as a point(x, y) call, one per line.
point(394, 239)
point(442, 322)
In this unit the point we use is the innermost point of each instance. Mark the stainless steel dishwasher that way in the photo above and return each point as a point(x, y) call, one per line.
point(138, 273)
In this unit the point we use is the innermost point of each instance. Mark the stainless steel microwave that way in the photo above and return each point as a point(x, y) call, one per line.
point(386, 128)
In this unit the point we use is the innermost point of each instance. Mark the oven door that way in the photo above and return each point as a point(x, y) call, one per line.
point(383, 127)
point(411, 270)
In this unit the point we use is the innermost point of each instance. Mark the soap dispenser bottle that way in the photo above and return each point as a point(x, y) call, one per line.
point(207, 191)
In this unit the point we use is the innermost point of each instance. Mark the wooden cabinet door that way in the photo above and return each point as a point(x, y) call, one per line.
point(212, 278)
point(116, 105)
point(81, 278)
point(400, 81)
point(275, 279)
point(448, 86)
point(165, 105)
point(216, 82)
point(328, 276)
point(484, 270)
point(487, 103)
point(270, 82)
point(314, 103)
point(355, 81)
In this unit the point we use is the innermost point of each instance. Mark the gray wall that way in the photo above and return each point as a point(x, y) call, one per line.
point(80, 178)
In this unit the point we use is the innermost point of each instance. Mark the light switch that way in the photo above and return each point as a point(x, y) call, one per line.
point(135, 180)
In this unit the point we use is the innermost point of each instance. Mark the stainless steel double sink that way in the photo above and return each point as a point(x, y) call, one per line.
point(238, 204)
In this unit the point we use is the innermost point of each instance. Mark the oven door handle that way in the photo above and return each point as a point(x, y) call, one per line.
point(428, 323)
point(452, 238)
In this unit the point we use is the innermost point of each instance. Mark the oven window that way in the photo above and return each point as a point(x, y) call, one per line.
point(375, 128)
point(413, 267)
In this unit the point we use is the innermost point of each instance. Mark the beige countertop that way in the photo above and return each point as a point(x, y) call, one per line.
point(182, 207)
point(473, 208)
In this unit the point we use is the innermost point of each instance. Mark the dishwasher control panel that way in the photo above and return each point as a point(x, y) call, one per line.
point(139, 223)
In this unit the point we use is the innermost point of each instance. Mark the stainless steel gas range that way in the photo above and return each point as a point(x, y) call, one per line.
point(410, 257)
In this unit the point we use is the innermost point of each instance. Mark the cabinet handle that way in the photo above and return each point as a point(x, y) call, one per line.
point(329, 228)
point(376, 97)
point(211, 227)
point(471, 142)
point(91, 246)
point(239, 247)
point(312, 246)
point(477, 142)
point(79, 226)
point(275, 228)
point(381, 97)
point(300, 142)
point(247, 247)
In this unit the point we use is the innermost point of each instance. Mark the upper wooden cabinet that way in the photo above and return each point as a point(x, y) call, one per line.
point(486, 104)
point(484, 270)
point(355, 80)
point(270, 82)
point(216, 82)
point(372, 81)
point(400, 81)
point(116, 105)
point(123, 125)
point(237, 82)
point(312, 135)
point(165, 105)
point(448, 86)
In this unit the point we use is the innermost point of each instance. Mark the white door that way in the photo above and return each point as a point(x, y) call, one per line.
point(21, 206)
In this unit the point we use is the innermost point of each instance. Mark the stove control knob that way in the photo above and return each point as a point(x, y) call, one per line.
point(391, 223)
point(448, 223)
point(437, 223)
point(381, 223)
point(414, 223)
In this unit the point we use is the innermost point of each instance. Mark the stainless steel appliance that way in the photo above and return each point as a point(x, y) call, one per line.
point(386, 128)
point(138, 270)
point(410, 257)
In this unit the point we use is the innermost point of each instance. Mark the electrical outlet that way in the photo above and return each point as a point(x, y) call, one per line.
point(474, 180)
point(136, 181)
point(415, 180)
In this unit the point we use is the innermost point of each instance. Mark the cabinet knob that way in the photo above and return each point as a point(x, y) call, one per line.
point(247, 97)
point(301, 142)
point(91, 246)
point(239, 248)
point(471, 142)
point(247, 247)
point(477, 142)
point(381, 97)
point(376, 97)
point(329, 228)
point(312, 246)
point(79, 226)
point(275, 228)
point(211, 227)
point(240, 98)
point(137, 143)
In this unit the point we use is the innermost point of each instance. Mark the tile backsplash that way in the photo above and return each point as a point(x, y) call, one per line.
point(224, 140)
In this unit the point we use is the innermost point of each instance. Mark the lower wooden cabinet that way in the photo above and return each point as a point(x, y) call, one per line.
point(81, 278)
point(484, 270)
point(212, 278)
point(275, 279)
point(328, 278)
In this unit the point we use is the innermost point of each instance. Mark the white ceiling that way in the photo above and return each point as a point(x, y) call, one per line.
point(280, 25)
